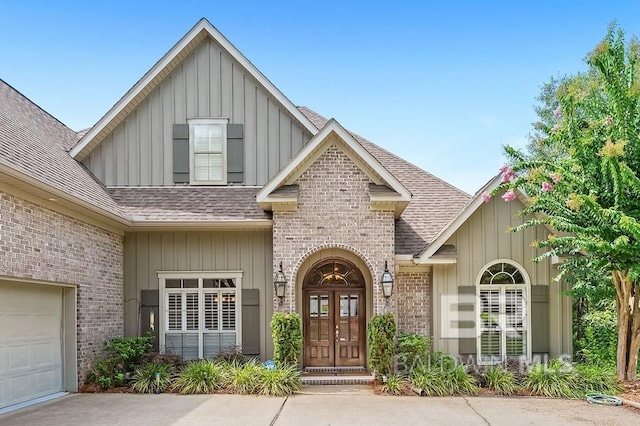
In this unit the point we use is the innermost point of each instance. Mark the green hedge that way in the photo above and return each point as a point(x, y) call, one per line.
point(286, 330)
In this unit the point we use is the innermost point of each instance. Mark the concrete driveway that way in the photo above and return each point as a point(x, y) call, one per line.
point(320, 406)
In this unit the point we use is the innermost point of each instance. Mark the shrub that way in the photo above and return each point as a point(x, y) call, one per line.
point(202, 376)
point(243, 378)
point(413, 349)
point(430, 382)
point(460, 382)
point(382, 329)
point(130, 351)
point(500, 380)
point(145, 380)
point(121, 355)
point(176, 361)
point(394, 385)
point(286, 329)
point(599, 344)
point(280, 381)
point(232, 354)
point(442, 377)
point(552, 380)
point(598, 379)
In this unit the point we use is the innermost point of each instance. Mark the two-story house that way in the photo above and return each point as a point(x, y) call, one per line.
point(173, 212)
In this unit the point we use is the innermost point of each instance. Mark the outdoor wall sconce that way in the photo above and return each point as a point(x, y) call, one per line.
point(387, 282)
point(280, 284)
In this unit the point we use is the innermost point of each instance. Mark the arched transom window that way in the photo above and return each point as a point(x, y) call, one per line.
point(334, 273)
point(503, 293)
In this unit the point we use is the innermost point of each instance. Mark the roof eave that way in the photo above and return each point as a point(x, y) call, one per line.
point(445, 233)
point(315, 144)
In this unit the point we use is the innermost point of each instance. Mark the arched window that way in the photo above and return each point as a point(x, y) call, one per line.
point(503, 291)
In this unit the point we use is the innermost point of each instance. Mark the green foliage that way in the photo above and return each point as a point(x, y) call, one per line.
point(413, 349)
point(395, 385)
point(500, 380)
point(130, 351)
point(431, 382)
point(441, 360)
point(589, 192)
point(553, 380)
point(121, 355)
point(380, 336)
point(244, 378)
point(145, 379)
point(444, 381)
point(600, 338)
point(280, 381)
point(286, 329)
point(598, 379)
point(202, 376)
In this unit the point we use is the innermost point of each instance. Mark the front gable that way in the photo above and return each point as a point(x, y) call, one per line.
point(203, 76)
point(386, 192)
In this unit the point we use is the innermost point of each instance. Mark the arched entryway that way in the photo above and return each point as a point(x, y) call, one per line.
point(334, 314)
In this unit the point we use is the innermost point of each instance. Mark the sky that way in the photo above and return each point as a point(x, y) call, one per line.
point(442, 84)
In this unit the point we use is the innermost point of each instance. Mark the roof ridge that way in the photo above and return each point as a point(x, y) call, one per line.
point(37, 106)
point(363, 139)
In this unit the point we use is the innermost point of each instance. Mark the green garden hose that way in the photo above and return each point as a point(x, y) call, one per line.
point(600, 398)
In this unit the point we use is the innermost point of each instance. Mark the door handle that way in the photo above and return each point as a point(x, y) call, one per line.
point(337, 334)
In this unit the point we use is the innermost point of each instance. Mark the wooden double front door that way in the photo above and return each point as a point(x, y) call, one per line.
point(334, 315)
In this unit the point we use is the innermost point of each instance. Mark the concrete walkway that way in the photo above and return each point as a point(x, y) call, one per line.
point(317, 405)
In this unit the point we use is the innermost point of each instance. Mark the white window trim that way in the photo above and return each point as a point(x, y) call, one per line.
point(192, 175)
point(527, 290)
point(166, 275)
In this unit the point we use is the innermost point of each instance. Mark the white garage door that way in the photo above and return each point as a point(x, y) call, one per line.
point(30, 342)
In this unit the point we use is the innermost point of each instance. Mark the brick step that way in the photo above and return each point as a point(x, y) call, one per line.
point(337, 380)
point(335, 370)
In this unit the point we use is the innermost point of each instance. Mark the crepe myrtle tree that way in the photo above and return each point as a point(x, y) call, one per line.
point(590, 195)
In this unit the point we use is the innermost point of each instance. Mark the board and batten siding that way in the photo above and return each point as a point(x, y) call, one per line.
point(207, 84)
point(483, 238)
point(146, 253)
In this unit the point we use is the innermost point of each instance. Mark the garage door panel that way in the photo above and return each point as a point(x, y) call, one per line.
point(30, 342)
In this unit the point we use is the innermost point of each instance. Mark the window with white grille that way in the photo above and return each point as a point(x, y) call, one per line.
point(208, 142)
point(503, 313)
point(200, 316)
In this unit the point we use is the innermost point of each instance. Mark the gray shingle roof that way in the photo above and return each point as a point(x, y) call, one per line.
point(35, 144)
point(189, 203)
point(434, 202)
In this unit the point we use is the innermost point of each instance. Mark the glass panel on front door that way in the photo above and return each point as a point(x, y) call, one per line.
point(334, 322)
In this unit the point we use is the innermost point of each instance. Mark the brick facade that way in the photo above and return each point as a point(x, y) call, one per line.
point(413, 291)
point(333, 211)
point(40, 244)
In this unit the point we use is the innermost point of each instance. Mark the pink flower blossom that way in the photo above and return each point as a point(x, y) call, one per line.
point(557, 112)
point(486, 197)
point(555, 128)
point(608, 121)
point(509, 195)
point(556, 177)
point(507, 174)
point(546, 187)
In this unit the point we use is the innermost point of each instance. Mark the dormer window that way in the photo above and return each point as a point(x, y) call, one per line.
point(207, 151)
